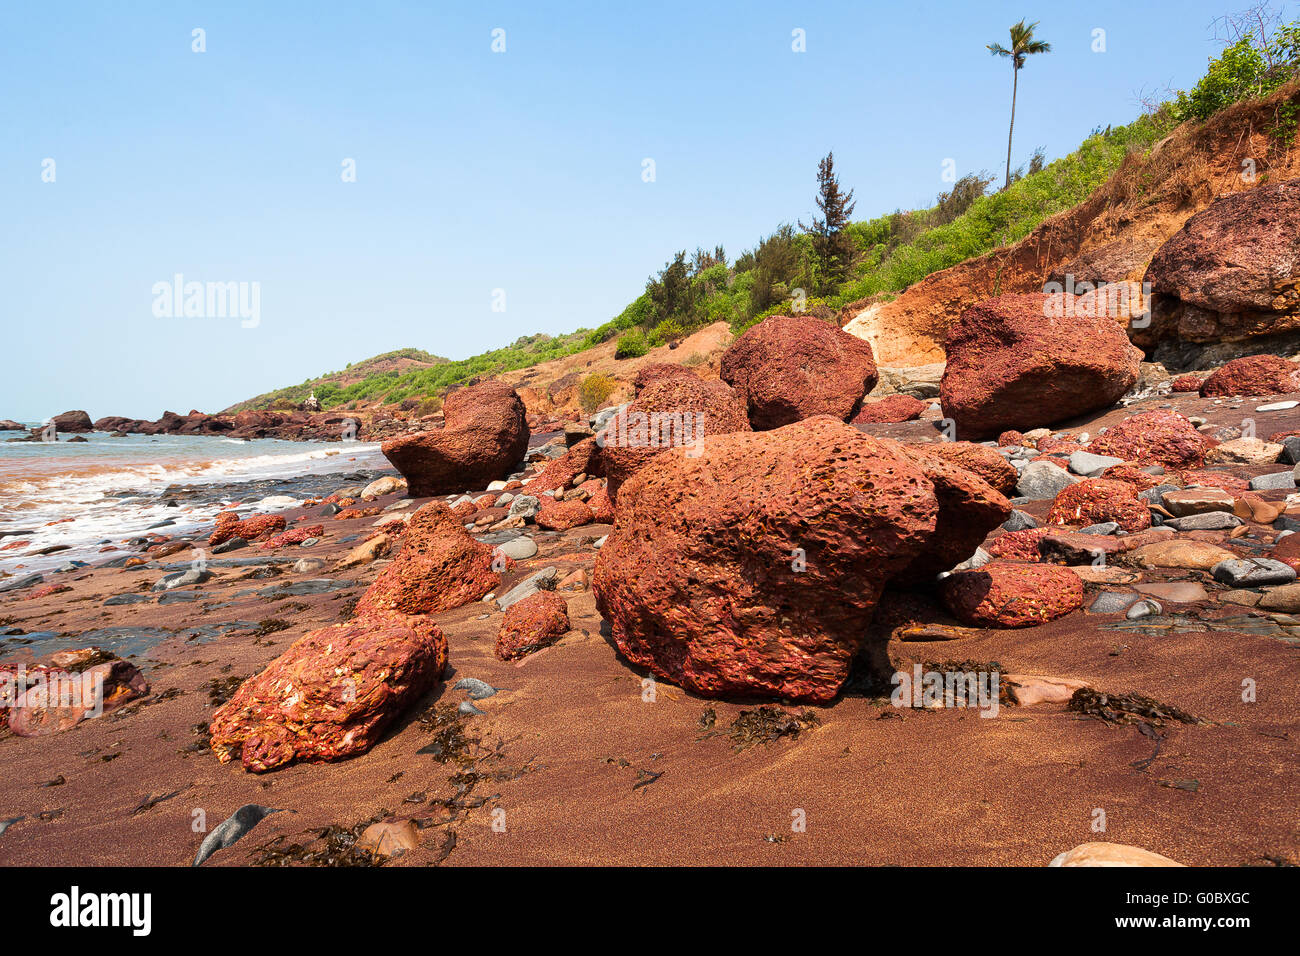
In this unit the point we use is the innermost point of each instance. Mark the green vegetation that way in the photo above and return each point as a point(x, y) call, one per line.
point(1262, 56)
point(820, 269)
point(594, 390)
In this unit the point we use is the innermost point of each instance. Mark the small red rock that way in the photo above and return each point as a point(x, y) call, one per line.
point(1005, 595)
point(1096, 500)
point(537, 621)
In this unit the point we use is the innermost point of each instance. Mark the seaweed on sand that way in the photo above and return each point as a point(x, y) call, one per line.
point(1126, 708)
point(762, 725)
point(334, 845)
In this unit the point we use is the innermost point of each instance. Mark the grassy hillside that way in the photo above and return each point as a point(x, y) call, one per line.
point(889, 253)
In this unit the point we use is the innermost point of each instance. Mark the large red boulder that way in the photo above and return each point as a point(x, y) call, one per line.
point(790, 368)
point(1012, 595)
point(1254, 375)
point(1233, 270)
point(1154, 438)
point(332, 693)
point(1030, 360)
point(753, 568)
point(440, 567)
point(657, 372)
point(484, 438)
point(1098, 500)
point(669, 413)
point(537, 621)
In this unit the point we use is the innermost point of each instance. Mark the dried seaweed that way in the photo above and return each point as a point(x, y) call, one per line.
point(1126, 708)
point(339, 848)
point(765, 724)
point(221, 689)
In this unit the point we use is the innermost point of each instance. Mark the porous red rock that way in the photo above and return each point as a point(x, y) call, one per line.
point(484, 437)
point(752, 568)
point(1097, 500)
point(563, 515)
point(440, 567)
point(602, 507)
point(890, 409)
point(332, 693)
point(1014, 362)
point(1019, 545)
point(294, 536)
point(1007, 595)
point(1239, 255)
point(537, 621)
point(1186, 383)
point(657, 372)
point(48, 590)
point(978, 459)
point(1254, 375)
point(1132, 475)
point(229, 526)
point(584, 458)
point(1155, 437)
point(790, 368)
point(1011, 438)
point(670, 413)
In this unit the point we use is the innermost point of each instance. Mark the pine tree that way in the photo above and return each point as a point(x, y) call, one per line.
point(833, 246)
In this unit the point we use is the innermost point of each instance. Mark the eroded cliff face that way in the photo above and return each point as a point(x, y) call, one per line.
point(1111, 236)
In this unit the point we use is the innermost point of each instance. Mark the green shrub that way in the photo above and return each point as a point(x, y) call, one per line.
point(631, 344)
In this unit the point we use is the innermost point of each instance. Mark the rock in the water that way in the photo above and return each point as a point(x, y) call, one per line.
point(537, 621)
point(752, 568)
point(1020, 361)
point(790, 368)
point(1005, 595)
point(485, 436)
point(332, 693)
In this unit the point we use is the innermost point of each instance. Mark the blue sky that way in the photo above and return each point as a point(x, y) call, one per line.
point(475, 170)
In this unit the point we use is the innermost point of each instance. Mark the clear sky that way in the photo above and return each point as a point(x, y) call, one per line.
point(475, 170)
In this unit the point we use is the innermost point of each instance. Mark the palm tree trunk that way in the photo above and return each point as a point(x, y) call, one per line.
point(1015, 79)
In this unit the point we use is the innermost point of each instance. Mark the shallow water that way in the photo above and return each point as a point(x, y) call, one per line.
point(78, 496)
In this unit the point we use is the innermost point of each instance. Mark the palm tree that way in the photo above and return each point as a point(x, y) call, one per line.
point(1023, 44)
